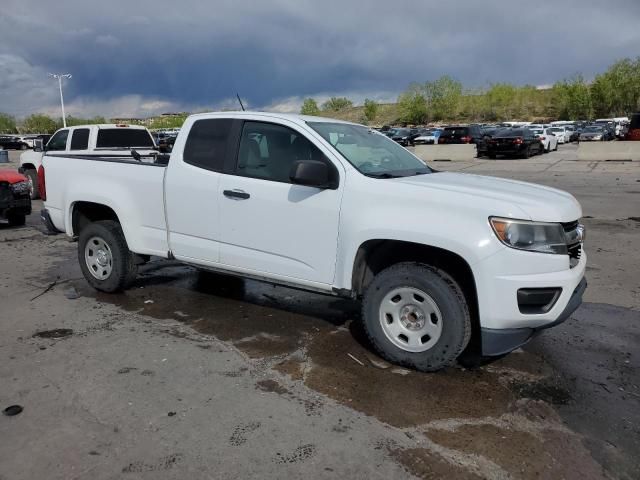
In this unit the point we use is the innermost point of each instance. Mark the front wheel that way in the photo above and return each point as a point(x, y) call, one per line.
point(105, 259)
point(416, 315)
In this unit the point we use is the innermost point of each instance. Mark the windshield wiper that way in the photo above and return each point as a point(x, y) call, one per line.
point(382, 175)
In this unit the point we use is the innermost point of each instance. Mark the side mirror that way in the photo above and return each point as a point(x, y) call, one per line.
point(311, 173)
point(38, 145)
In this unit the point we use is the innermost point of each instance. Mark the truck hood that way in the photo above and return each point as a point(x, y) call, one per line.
point(537, 202)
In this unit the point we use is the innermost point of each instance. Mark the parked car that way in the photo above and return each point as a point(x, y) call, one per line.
point(15, 201)
point(517, 142)
point(593, 133)
point(561, 133)
point(457, 135)
point(547, 138)
point(405, 136)
point(327, 206)
point(633, 132)
point(105, 139)
point(609, 128)
point(426, 137)
point(13, 143)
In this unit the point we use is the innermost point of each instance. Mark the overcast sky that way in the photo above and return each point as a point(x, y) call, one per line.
point(139, 57)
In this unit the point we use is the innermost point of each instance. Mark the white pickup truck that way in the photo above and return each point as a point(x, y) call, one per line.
point(442, 262)
point(105, 139)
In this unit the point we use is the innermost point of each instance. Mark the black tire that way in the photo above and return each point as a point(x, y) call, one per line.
point(527, 153)
point(556, 149)
point(16, 220)
point(492, 156)
point(447, 295)
point(32, 175)
point(123, 267)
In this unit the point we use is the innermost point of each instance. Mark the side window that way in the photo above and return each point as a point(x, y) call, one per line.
point(80, 139)
point(206, 144)
point(58, 141)
point(268, 151)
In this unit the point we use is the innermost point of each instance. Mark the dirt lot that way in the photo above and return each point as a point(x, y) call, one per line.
point(199, 376)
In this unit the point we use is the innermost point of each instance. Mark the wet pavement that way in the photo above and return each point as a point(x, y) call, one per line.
point(199, 375)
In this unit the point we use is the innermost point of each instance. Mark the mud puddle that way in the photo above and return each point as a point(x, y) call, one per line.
point(317, 339)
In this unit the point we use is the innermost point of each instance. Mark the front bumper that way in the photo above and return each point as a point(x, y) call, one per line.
point(16, 206)
point(501, 341)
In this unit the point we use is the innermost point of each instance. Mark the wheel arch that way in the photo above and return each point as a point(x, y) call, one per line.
point(373, 256)
point(83, 213)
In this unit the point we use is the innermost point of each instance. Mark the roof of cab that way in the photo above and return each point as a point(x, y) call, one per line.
point(108, 125)
point(292, 117)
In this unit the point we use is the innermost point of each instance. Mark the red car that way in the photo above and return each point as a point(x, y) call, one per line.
point(15, 198)
point(634, 128)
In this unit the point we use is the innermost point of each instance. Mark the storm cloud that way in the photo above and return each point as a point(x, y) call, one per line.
point(139, 58)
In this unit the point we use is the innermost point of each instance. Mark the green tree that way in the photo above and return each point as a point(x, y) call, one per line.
point(617, 91)
point(336, 104)
point(501, 102)
point(39, 123)
point(370, 109)
point(443, 97)
point(572, 99)
point(412, 104)
point(309, 107)
point(7, 123)
point(73, 121)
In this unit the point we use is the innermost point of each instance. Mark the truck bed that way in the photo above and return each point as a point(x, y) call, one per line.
point(133, 189)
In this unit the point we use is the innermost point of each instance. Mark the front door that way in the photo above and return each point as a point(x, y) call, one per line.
point(270, 226)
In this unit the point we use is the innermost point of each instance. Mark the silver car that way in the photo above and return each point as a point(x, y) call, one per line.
point(591, 134)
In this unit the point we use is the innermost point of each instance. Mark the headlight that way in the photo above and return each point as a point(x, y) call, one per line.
point(530, 236)
point(597, 137)
point(20, 187)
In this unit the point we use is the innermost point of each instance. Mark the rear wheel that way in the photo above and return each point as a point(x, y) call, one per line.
point(32, 178)
point(416, 316)
point(105, 259)
point(492, 156)
point(527, 153)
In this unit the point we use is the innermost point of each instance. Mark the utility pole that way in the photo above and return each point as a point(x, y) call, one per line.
point(59, 77)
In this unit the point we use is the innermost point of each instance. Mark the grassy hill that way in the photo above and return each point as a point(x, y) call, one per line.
point(526, 105)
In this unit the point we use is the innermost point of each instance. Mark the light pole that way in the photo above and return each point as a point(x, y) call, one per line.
point(59, 77)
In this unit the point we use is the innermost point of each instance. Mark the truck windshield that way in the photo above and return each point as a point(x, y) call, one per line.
point(116, 138)
point(371, 152)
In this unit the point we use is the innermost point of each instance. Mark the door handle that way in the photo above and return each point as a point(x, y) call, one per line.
point(239, 194)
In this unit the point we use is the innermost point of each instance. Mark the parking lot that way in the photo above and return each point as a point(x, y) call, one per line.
point(191, 375)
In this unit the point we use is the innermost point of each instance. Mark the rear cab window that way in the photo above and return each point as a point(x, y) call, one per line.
point(123, 138)
point(80, 139)
point(207, 143)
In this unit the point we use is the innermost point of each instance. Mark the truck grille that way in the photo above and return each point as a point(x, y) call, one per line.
point(574, 243)
point(6, 195)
